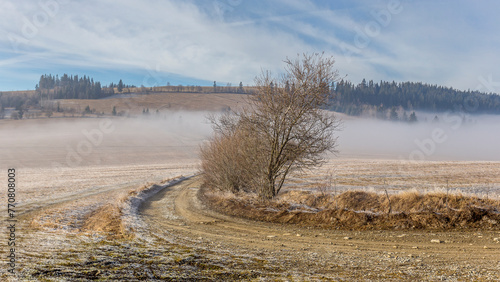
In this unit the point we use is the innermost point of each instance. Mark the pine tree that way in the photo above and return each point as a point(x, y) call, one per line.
point(240, 88)
point(413, 117)
point(405, 117)
point(394, 115)
point(120, 86)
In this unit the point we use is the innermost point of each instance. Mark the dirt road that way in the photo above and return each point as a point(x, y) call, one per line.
point(177, 239)
point(292, 252)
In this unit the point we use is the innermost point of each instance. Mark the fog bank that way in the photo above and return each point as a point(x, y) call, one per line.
point(453, 137)
point(59, 142)
point(175, 138)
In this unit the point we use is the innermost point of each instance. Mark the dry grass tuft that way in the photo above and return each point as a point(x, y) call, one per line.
point(360, 210)
point(106, 219)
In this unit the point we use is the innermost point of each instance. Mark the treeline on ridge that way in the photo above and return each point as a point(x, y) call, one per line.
point(363, 98)
point(409, 96)
point(74, 87)
point(385, 100)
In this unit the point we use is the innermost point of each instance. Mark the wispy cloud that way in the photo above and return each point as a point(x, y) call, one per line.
point(438, 42)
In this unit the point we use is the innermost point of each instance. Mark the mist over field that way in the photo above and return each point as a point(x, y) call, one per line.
point(176, 136)
point(81, 142)
point(453, 137)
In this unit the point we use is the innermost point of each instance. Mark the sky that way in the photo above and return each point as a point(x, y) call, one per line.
point(196, 42)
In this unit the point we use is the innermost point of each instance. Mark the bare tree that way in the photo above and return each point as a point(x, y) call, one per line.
point(288, 116)
point(289, 130)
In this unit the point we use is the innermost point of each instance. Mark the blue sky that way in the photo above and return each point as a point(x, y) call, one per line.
point(152, 42)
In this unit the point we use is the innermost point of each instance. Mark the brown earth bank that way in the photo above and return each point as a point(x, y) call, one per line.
point(360, 210)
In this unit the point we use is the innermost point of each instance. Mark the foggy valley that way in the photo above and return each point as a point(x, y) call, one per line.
point(176, 136)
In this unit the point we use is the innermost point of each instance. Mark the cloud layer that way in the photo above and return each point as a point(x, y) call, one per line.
point(195, 42)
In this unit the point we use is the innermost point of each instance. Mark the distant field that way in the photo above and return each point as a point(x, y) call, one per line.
point(18, 92)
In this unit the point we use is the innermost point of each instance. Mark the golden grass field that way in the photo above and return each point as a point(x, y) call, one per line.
point(165, 101)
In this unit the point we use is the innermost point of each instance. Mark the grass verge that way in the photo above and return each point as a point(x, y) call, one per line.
point(360, 210)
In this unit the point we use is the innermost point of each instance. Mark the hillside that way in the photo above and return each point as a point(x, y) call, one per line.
point(76, 96)
point(164, 101)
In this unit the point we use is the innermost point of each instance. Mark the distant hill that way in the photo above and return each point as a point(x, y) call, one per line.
point(73, 95)
point(379, 99)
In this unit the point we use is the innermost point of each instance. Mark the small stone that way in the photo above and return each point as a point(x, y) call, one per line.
point(271, 236)
point(298, 235)
point(414, 247)
point(485, 247)
point(496, 239)
point(347, 238)
point(436, 241)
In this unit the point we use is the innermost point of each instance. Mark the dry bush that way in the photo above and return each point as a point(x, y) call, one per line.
point(232, 161)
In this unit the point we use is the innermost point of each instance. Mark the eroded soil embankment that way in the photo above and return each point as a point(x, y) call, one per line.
point(359, 210)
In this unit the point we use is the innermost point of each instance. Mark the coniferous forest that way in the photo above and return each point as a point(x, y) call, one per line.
point(74, 87)
point(409, 96)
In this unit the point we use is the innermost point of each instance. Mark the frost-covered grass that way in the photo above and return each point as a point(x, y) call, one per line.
point(479, 179)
